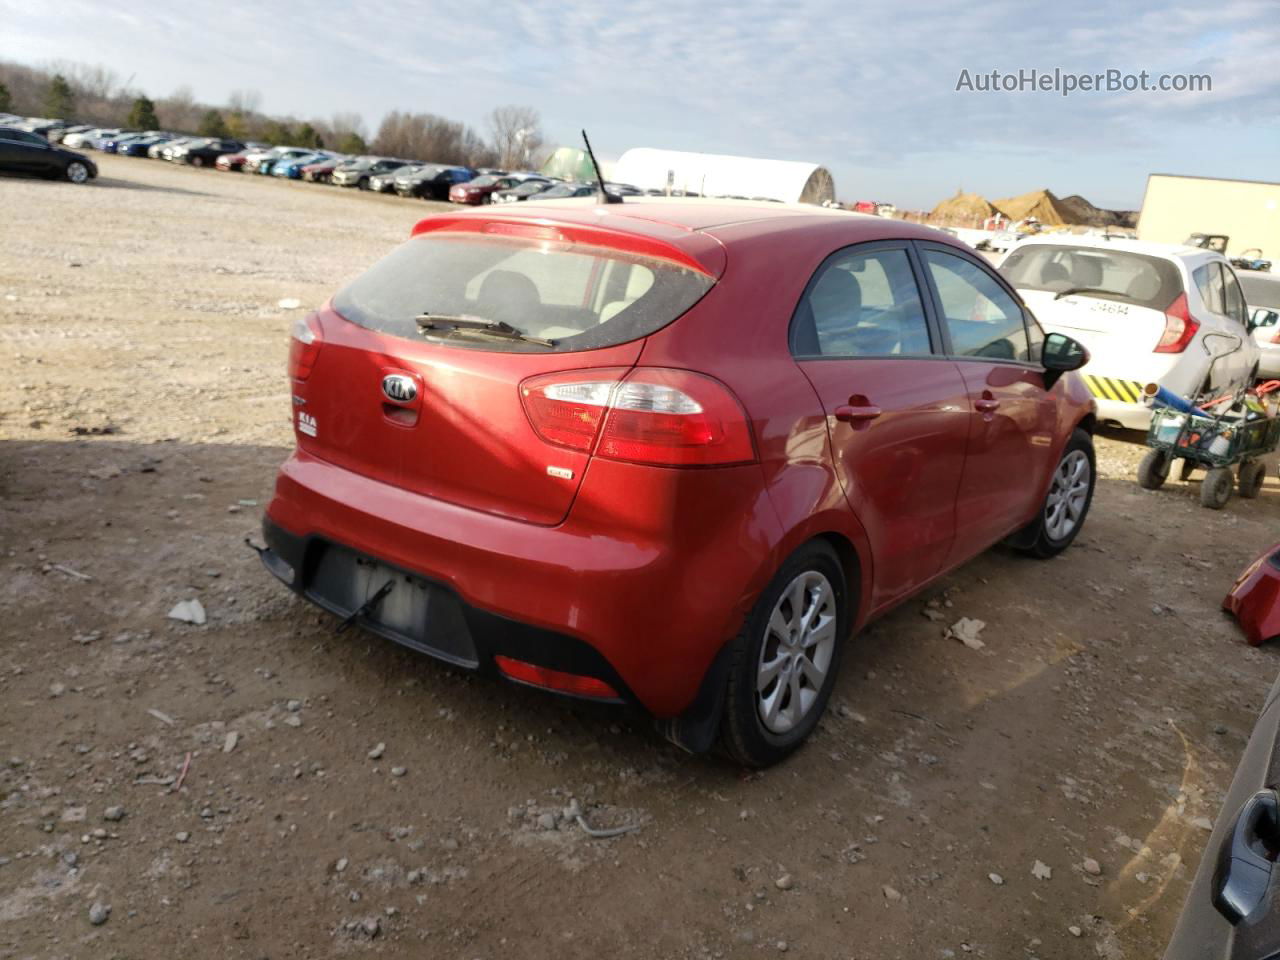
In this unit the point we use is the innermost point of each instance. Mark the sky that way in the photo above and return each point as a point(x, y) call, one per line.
point(867, 90)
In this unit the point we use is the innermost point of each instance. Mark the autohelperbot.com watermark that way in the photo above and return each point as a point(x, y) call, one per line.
point(1066, 82)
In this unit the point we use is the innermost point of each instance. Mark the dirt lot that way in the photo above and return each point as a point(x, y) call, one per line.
point(143, 411)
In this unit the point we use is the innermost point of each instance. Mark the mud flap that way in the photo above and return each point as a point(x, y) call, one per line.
point(696, 729)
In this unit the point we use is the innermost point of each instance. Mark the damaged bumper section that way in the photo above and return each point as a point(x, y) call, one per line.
point(431, 618)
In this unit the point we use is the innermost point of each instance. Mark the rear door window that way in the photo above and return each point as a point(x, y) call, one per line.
point(1208, 279)
point(1236, 309)
point(577, 296)
point(1102, 272)
point(862, 303)
point(981, 317)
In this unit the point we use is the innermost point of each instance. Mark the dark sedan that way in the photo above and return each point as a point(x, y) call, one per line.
point(521, 191)
point(30, 153)
point(432, 182)
point(563, 191)
point(206, 154)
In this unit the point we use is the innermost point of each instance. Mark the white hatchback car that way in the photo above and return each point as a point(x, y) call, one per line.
point(1262, 295)
point(1147, 312)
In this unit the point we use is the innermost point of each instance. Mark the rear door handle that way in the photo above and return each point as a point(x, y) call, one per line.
point(859, 414)
point(1247, 857)
point(986, 405)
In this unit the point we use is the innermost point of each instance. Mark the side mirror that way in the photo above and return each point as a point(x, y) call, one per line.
point(1262, 318)
point(1059, 354)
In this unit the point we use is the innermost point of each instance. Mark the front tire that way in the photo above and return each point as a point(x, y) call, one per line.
point(1249, 478)
point(1215, 489)
point(1153, 471)
point(77, 172)
point(1067, 503)
point(785, 659)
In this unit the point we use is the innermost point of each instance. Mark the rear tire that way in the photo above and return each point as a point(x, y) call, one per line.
point(1067, 504)
point(77, 172)
point(197, 161)
point(1153, 471)
point(1249, 478)
point(784, 661)
point(1215, 490)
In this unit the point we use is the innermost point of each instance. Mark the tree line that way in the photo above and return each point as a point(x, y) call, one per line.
point(96, 95)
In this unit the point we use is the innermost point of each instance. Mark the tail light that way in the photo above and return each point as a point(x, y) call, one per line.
point(573, 683)
point(1179, 327)
point(671, 418)
point(304, 346)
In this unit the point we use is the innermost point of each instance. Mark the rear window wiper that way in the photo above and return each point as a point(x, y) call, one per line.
point(462, 323)
point(1072, 291)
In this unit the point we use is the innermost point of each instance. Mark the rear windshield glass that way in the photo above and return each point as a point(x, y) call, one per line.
point(1095, 272)
point(576, 296)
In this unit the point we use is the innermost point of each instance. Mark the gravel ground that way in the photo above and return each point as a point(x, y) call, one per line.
point(257, 786)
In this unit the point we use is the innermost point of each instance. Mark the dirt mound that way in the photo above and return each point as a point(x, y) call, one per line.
point(963, 207)
point(1085, 212)
point(1042, 205)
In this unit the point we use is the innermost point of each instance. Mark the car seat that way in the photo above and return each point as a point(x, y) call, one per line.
point(1144, 287)
point(509, 297)
point(1054, 275)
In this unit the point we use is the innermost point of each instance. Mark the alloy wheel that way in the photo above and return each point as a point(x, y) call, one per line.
point(77, 172)
point(1065, 506)
point(796, 654)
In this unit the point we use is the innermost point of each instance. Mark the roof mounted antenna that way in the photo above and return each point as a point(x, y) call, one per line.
point(605, 195)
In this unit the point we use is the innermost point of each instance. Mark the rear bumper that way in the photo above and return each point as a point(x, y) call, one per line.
point(463, 635)
point(643, 595)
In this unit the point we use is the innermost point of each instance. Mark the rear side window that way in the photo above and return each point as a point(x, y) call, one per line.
point(1208, 278)
point(983, 320)
point(577, 296)
point(1111, 274)
point(861, 304)
point(1235, 299)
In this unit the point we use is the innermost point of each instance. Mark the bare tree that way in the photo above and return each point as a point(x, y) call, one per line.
point(516, 133)
point(427, 137)
point(244, 102)
point(343, 124)
point(180, 110)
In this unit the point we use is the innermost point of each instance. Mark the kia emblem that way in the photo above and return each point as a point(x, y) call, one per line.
point(399, 388)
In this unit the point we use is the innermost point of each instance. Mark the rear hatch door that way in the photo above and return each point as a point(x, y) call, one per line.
point(1112, 301)
point(438, 410)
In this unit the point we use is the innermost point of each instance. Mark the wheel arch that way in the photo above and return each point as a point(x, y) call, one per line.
point(839, 529)
point(851, 564)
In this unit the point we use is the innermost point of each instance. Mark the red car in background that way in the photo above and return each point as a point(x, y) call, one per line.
point(1254, 599)
point(669, 452)
point(322, 171)
point(481, 189)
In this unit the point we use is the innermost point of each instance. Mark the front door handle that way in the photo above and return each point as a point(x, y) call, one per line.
point(848, 413)
point(1247, 856)
point(986, 405)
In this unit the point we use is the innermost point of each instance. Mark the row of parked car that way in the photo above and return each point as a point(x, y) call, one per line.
point(408, 178)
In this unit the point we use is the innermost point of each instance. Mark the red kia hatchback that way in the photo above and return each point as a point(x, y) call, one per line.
point(669, 452)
